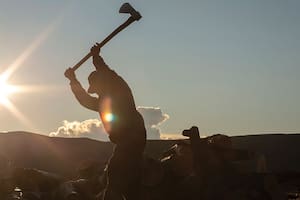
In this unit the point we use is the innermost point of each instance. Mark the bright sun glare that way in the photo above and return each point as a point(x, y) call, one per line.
point(6, 90)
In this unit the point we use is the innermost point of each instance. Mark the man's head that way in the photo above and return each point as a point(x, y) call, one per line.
point(94, 81)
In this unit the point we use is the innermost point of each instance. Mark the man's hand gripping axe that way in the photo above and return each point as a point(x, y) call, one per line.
point(125, 8)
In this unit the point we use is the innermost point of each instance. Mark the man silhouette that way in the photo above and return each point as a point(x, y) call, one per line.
point(121, 120)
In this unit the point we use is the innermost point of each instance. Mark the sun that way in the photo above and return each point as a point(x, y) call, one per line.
point(6, 90)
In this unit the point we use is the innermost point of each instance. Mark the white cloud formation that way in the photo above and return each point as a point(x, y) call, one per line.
point(153, 117)
point(93, 128)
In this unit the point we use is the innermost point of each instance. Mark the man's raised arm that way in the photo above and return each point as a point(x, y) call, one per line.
point(97, 59)
point(81, 95)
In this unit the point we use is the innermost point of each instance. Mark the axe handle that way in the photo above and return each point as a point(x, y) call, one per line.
point(109, 37)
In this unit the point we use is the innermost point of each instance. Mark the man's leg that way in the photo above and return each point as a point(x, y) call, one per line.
point(124, 175)
point(110, 194)
point(134, 178)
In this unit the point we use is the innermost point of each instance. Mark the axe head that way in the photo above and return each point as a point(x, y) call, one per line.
point(127, 8)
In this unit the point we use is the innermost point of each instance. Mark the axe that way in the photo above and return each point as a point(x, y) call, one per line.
point(134, 16)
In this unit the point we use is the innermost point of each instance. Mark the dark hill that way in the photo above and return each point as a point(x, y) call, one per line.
point(59, 155)
point(64, 155)
point(282, 151)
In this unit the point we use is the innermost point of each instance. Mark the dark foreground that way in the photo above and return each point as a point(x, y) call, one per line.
point(248, 167)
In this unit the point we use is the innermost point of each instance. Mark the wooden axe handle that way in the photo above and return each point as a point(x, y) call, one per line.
point(109, 37)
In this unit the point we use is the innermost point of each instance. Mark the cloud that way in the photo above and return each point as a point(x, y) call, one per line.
point(153, 117)
point(93, 128)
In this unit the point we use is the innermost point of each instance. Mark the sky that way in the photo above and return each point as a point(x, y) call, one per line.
point(228, 67)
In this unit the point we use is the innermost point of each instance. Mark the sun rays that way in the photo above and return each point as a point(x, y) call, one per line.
point(9, 91)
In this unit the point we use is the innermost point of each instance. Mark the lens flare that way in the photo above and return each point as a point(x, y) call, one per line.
point(109, 117)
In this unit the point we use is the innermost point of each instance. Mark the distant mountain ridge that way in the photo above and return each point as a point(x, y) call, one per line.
point(59, 155)
point(64, 155)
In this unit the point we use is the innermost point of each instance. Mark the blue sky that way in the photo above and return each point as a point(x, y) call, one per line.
point(226, 66)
